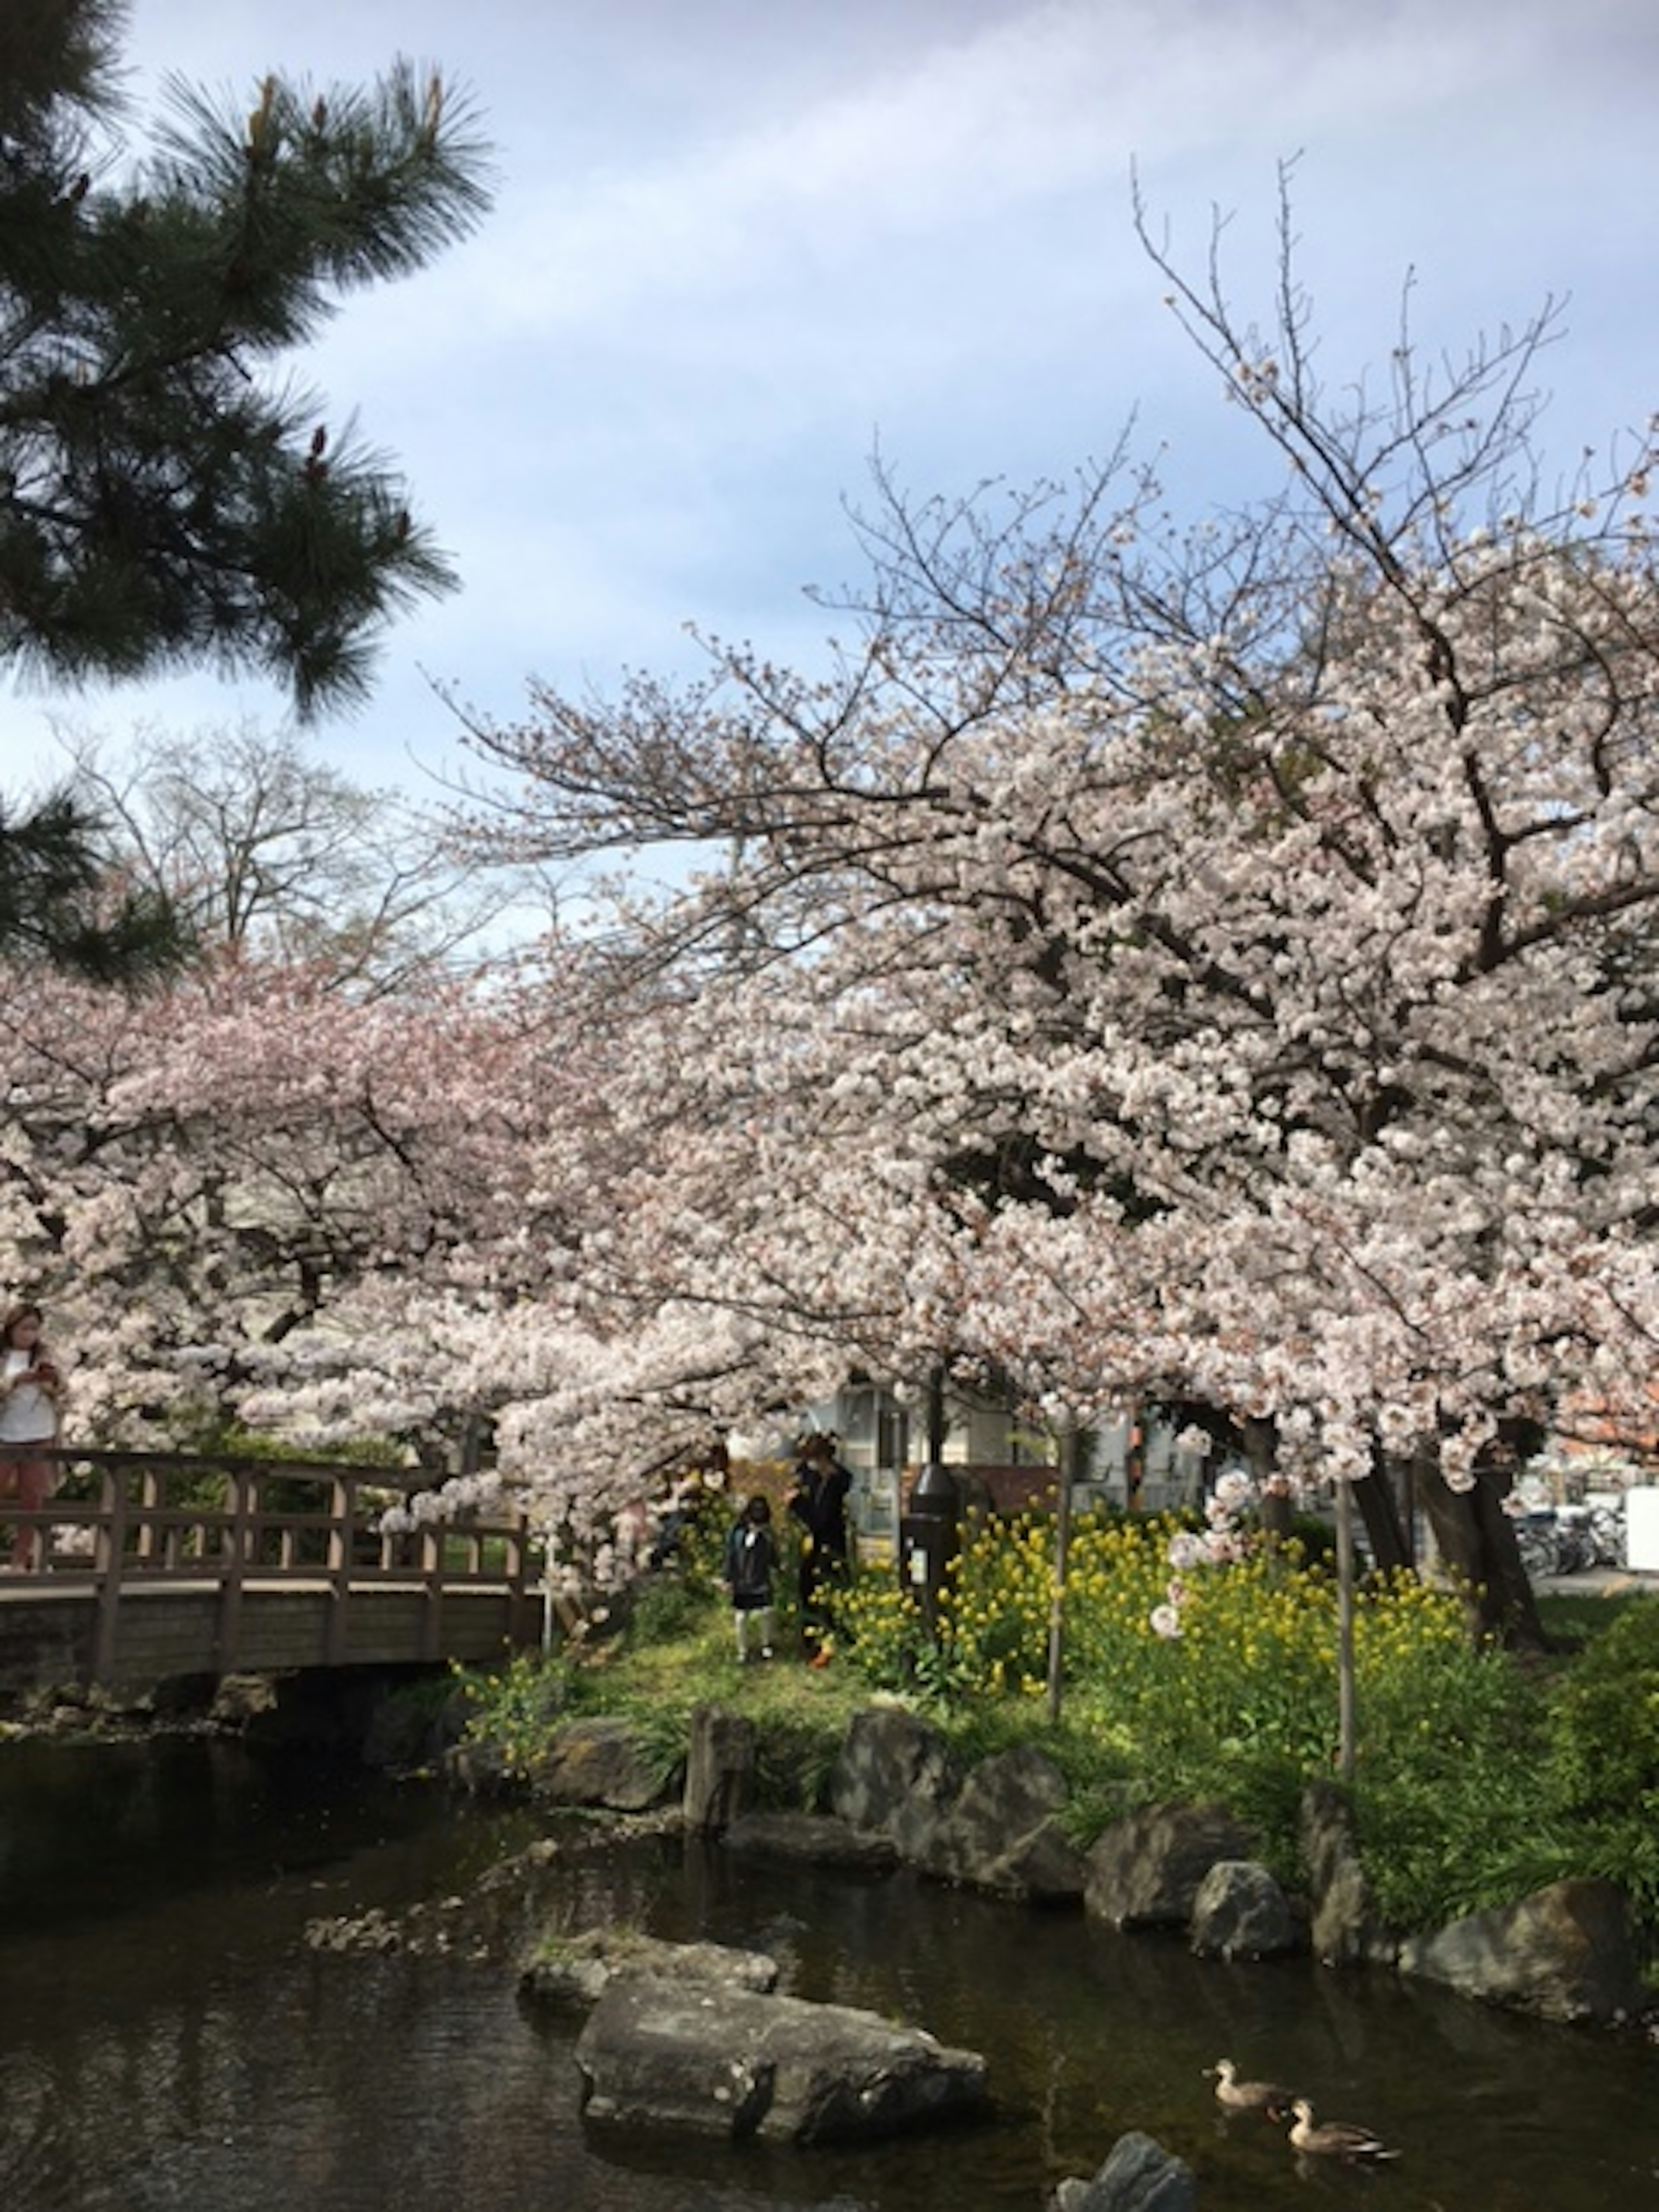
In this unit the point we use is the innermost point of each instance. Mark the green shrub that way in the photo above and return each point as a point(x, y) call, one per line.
point(1604, 1719)
point(1602, 1767)
point(661, 1734)
point(794, 1757)
point(513, 1709)
point(215, 1438)
point(667, 1606)
point(1451, 1811)
point(882, 1628)
point(1315, 1539)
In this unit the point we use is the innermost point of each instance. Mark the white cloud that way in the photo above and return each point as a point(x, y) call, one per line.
point(737, 239)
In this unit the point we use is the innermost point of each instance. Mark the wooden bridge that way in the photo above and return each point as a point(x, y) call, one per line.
point(157, 1565)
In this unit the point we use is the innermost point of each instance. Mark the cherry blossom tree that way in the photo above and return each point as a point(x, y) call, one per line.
point(1214, 963)
point(325, 1213)
point(255, 1196)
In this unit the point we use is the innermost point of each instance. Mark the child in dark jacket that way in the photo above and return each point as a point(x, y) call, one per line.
point(751, 1562)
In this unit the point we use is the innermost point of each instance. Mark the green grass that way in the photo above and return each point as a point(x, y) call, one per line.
point(1478, 1778)
point(1570, 1618)
point(674, 1652)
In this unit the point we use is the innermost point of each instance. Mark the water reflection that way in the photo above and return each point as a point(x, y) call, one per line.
point(166, 2042)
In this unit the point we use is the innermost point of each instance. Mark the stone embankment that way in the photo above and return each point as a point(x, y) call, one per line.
point(898, 1796)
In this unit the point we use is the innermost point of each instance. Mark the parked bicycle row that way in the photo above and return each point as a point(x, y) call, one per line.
point(1566, 1540)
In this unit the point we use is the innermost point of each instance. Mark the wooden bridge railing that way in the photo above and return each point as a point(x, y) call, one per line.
point(120, 1522)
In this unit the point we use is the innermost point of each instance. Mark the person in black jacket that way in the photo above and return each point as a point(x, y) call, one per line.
point(751, 1560)
point(818, 1501)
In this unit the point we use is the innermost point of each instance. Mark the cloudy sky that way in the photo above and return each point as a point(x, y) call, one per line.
point(739, 243)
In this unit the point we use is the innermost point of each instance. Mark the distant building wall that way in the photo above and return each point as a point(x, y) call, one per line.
point(884, 1443)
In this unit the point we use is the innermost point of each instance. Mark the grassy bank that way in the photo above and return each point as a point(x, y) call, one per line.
point(1478, 1777)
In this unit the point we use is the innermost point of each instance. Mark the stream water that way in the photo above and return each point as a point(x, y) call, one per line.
point(166, 2040)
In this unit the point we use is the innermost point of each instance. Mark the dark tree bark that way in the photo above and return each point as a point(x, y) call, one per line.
point(1259, 1438)
point(1386, 1526)
point(1477, 1540)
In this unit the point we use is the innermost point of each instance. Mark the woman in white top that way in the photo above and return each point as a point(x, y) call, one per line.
point(31, 1392)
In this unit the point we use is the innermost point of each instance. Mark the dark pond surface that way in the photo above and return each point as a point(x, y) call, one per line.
point(166, 2040)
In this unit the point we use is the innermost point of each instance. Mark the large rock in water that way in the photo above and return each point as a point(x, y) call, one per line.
point(1346, 1930)
point(1139, 2176)
point(896, 1775)
point(1240, 1912)
point(665, 2054)
point(719, 1770)
point(818, 1837)
point(579, 1969)
point(1144, 1871)
point(599, 1762)
point(1002, 1832)
point(1564, 1953)
point(996, 1829)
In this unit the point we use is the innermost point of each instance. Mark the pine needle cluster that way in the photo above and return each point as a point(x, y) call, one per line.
point(169, 494)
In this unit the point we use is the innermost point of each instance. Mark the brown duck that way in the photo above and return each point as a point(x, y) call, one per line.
point(1334, 2138)
point(1235, 2096)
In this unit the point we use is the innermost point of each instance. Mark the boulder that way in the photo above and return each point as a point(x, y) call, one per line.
point(484, 1770)
point(1346, 1930)
point(1145, 1871)
point(896, 1775)
point(599, 1762)
point(719, 1770)
point(240, 1699)
point(818, 1836)
point(1565, 1952)
point(577, 1969)
point(677, 2056)
point(1240, 1912)
point(406, 1732)
point(1139, 2176)
point(1002, 1834)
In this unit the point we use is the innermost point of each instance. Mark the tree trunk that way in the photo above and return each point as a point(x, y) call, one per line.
point(1277, 1517)
point(1259, 1435)
point(1385, 1525)
point(1477, 1540)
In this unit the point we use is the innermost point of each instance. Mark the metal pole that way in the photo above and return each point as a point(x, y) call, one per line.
point(936, 1422)
point(1063, 1554)
point(1345, 1682)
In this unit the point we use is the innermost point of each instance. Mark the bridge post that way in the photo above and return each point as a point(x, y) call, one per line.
point(149, 1497)
point(432, 1569)
point(109, 1545)
point(233, 1565)
point(341, 1501)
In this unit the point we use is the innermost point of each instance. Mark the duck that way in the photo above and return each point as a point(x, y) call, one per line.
point(1334, 2138)
point(1235, 2096)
